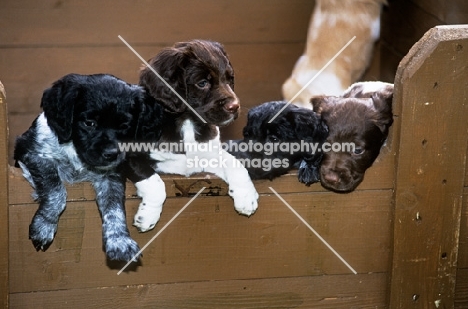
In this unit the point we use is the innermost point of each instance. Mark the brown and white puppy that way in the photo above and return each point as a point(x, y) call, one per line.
point(333, 24)
point(361, 117)
point(202, 75)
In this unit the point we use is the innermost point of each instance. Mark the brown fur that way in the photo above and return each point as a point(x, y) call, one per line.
point(333, 24)
point(362, 117)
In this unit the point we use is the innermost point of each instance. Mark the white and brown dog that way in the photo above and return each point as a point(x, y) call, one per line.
point(201, 73)
point(333, 24)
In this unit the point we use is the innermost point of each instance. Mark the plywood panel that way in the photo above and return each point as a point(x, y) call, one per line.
point(332, 292)
point(79, 22)
point(210, 241)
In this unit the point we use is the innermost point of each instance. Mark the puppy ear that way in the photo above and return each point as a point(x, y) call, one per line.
point(169, 65)
point(58, 103)
point(382, 100)
point(150, 119)
point(319, 103)
point(307, 125)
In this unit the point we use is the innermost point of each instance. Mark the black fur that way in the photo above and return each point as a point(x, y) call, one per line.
point(293, 125)
point(76, 139)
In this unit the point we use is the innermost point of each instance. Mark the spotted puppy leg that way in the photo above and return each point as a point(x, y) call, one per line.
point(110, 195)
point(51, 194)
point(153, 193)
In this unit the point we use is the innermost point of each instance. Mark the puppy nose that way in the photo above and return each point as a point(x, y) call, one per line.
point(232, 107)
point(331, 177)
point(110, 153)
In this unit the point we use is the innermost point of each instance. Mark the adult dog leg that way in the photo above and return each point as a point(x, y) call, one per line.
point(110, 196)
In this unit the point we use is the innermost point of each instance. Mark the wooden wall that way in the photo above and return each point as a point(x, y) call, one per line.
point(209, 257)
point(404, 22)
point(41, 41)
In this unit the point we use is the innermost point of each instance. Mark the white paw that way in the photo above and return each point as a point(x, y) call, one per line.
point(153, 194)
point(245, 199)
point(146, 217)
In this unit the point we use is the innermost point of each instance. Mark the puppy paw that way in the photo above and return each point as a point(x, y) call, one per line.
point(245, 200)
point(146, 217)
point(308, 174)
point(122, 248)
point(42, 233)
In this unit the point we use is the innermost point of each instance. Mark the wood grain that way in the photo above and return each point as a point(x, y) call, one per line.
point(78, 23)
point(332, 292)
point(210, 241)
point(430, 168)
point(4, 243)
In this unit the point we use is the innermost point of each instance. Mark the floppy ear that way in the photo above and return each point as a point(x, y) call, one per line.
point(383, 106)
point(169, 64)
point(319, 104)
point(308, 125)
point(58, 103)
point(150, 119)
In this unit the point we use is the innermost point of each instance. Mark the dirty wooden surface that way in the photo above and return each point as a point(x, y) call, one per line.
point(430, 92)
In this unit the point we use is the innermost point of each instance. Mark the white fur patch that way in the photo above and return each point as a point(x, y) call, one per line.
point(153, 193)
point(224, 165)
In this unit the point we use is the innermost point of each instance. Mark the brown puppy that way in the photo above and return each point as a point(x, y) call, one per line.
point(361, 117)
point(202, 75)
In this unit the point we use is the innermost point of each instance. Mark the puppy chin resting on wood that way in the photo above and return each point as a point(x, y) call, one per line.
point(333, 24)
point(361, 117)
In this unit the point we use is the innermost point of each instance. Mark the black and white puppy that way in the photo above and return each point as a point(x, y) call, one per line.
point(362, 117)
point(201, 73)
point(292, 140)
point(76, 139)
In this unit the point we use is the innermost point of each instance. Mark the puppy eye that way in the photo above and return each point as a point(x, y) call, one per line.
point(124, 126)
point(358, 151)
point(273, 139)
point(203, 84)
point(90, 123)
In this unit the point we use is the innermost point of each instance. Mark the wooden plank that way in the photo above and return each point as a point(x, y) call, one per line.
point(4, 244)
point(430, 169)
point(456, 12)
point(403, 23)
point(79, 22)
point(210, 241)
point(463, 251)
point(461, 289)
point(332, 292)
point(260, 69)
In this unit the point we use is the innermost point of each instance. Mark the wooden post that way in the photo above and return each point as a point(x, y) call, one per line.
point(431, 99)
point(3, 200)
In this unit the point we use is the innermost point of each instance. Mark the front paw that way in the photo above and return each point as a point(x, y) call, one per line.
point(146, 217)
point(122, 248)
point(42, 233)
point(245, 200)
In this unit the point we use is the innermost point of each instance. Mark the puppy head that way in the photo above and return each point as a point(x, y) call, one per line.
point(360, 118)
point(294, 125)
point(95, 113)
point(201, 73)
